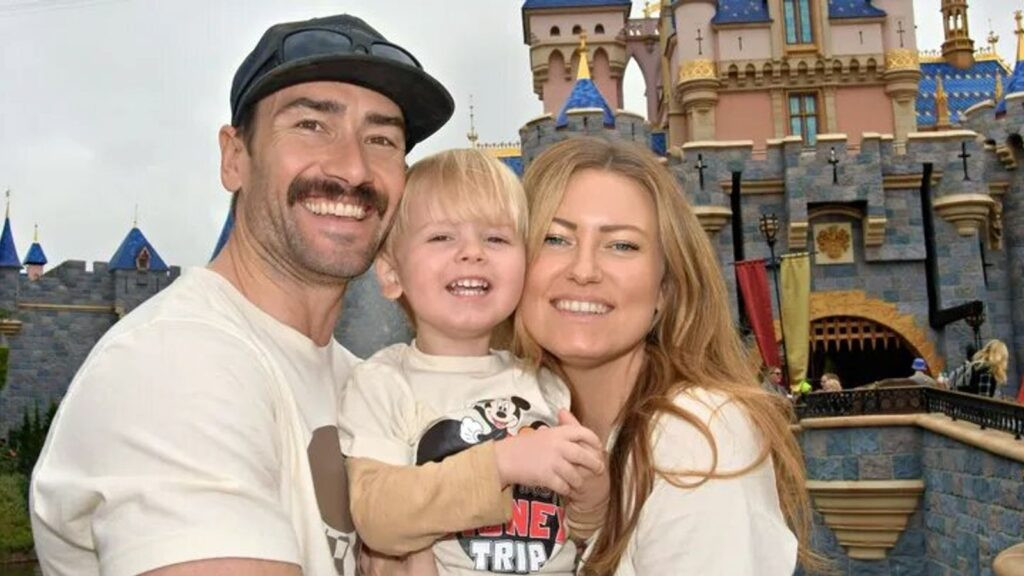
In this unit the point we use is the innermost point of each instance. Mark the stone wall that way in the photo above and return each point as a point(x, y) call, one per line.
point(972, 507)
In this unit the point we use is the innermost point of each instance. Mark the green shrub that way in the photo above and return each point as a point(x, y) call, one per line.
point(15, 530)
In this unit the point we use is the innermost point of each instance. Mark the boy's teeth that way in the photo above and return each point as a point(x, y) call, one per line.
point(582, 306)
point(340, 209)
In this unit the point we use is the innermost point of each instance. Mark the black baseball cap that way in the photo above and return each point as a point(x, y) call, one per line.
point(342, 48)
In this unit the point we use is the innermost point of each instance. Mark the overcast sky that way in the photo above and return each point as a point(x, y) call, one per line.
point(109, 104)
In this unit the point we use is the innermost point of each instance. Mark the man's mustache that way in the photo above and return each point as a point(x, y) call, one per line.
point(365, 194)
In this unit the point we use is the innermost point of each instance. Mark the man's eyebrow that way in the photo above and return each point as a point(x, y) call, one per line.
point(324, 106)
point(378, 119)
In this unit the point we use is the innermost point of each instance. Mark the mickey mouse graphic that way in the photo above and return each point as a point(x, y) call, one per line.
point(492, 419)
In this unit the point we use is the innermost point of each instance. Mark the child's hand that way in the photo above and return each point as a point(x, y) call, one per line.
point(554, 458)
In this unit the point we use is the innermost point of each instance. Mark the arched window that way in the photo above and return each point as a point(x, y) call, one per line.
point(555, 31)
point(142, 260)
point(599, 29)
point(576, 30)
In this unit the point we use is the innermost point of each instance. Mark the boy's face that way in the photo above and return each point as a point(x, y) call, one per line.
point(460, 278)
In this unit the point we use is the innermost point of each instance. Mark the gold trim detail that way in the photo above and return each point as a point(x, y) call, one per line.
point(9, 327)
point(901, 59)
point(97, 309)
point(797, 236)
point(501, 149)
point(755, 186)
point(856, 303)
point(700, 69)
point(904, 181)
point(967, 212)
point(712, 218)
point(874, 230)
point(867, 516)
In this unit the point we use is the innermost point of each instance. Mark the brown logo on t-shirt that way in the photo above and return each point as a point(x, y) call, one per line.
point(331, 486)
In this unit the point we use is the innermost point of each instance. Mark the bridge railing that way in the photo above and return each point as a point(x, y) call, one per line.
point(987, 413)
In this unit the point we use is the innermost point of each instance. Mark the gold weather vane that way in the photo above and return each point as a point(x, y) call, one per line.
point(8, 213)
point(472, 135)
point(993, 38)
point(651, 8)
point(584, 69)
point(1020, 35)
point(135, 219)
point(35, 234)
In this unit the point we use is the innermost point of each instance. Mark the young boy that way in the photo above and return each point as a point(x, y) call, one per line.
point(455, 258)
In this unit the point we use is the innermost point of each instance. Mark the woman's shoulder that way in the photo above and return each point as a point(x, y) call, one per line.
point(684, 439)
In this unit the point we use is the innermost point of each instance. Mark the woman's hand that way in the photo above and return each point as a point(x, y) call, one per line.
point(558, 459)
point(416, 564)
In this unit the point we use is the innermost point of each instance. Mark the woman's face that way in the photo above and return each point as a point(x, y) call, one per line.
point(592, 291)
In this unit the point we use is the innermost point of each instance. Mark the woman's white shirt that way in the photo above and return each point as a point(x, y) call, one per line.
point(728, 526)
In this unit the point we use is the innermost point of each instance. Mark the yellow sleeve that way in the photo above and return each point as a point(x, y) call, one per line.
point(402, 509)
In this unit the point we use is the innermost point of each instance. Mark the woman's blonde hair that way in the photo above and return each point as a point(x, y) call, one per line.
point(464, 185)
point(693, 343)
point(994, 354)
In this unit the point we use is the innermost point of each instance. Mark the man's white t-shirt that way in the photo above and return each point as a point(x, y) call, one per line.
point(404, 407)
point(199, 427)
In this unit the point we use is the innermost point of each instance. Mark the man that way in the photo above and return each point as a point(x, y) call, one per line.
point(199, 436)
point(920, 375)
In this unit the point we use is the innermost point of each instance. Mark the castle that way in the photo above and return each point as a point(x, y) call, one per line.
point(896, 169)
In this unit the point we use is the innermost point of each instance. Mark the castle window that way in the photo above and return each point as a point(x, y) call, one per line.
point(142, 260)
point(555, 31)
point(797, 16)
point(803, 116)
point(599, 29)
point(577, 30)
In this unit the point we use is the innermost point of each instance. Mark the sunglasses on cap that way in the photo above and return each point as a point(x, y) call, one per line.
point(311, 42)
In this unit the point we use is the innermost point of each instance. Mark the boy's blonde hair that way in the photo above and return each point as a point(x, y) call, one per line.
point(464, 185)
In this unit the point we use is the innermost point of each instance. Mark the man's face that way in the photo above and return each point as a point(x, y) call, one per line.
point(321, 180)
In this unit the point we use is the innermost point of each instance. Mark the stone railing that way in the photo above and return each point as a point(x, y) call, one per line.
point(987, 413)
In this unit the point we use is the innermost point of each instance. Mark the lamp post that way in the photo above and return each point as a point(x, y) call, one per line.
point(975, 319)
point(769, 227)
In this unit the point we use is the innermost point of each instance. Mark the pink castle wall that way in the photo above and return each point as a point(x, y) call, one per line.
point(863, 109)
point(745, 116)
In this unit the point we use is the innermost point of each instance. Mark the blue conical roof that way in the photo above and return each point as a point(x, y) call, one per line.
point(8, 252)
point(35, 255)
point(585, 95)
point(128, 252)
point(1015, 83)
point(229, 223)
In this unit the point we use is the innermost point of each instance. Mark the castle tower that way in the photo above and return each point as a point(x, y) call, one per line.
point(585, 94)
point(8, 252)
point(697, 85)
point(139, 271)
point(958, 48)
point(551, 29)
point(902, 66)
point(36, 259)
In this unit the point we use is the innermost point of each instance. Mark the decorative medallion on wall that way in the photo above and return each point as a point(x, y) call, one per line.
point(833, 243)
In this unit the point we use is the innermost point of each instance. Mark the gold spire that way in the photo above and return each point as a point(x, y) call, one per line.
point(8, 213)
point(1020, 36)
point(999, 88)
point(584, 70)
point(941, 105)
point(135, 220)
point(472, 135)
point(35, 235)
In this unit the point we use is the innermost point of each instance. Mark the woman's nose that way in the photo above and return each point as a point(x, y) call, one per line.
point(584, 268)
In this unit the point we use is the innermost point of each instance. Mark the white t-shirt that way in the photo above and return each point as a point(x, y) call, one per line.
point(405, 407)
point(727, 527)
point(188, 434)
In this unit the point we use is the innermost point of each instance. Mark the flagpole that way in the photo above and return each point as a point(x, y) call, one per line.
point(769, 226)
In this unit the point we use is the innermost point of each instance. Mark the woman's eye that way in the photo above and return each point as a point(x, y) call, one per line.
point(555, 240)
point(623, 246)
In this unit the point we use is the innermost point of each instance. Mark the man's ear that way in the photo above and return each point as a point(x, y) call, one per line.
point(232, 155)
point(387, 278)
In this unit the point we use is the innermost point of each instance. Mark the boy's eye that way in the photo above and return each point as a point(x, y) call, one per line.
point(498, 239)
point(439, 238)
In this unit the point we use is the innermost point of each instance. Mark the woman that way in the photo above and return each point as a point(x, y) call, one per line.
point(624, 299)
point(984, 372)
